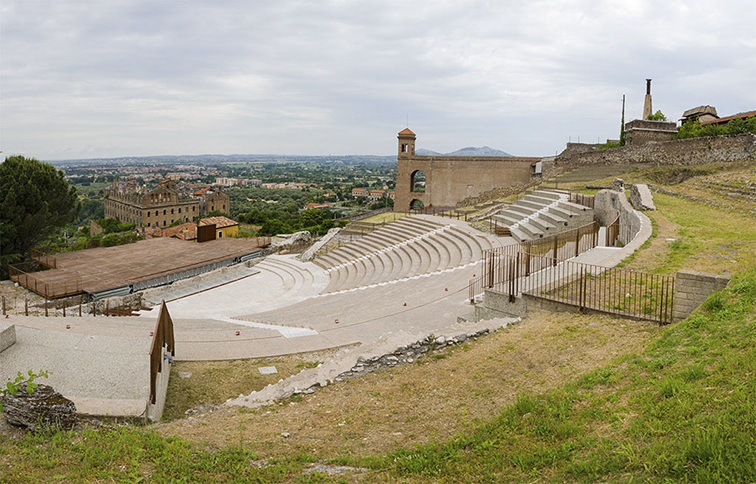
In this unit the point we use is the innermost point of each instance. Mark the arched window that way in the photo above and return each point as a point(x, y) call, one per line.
point(417, 181)
point(417, 204)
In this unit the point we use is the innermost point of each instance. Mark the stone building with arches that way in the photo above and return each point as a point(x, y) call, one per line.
point(442, 181)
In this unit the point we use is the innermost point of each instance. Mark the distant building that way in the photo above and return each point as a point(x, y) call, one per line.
point(359, 192)
point(161, 206)
point(376, 194)
point(224, 226)
point(700, 113)
point(730, 118)
point(317, 205)
point(187, 231)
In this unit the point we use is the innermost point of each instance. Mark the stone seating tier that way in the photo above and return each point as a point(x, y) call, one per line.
point(406, 248)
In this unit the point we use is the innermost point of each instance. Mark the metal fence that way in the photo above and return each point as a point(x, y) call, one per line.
point(162, 337)
point(565, 245)
point(617, 291)
point(446, 212)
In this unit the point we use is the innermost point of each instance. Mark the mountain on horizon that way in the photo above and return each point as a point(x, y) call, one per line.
point(469, 151)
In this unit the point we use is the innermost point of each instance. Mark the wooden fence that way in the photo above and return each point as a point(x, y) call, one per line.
point(162, 337)
point(44, 259)
point(23, 274)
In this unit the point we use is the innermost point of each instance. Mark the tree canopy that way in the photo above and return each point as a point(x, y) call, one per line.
point(35, 201)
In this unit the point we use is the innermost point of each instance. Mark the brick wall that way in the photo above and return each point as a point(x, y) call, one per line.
point(692, 288)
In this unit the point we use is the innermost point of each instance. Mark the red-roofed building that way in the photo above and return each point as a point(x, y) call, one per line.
point(317, 205)
point(377, 194)
point(727, 119)
point(359, 192)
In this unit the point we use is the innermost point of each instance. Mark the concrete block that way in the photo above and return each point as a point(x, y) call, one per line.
point(7, 336)
point(500, 302)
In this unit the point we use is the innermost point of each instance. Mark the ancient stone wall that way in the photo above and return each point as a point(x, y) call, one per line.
point(642, 131)
point(450, 179)
point(692, 288)
point(606, 205)
point(692, 151)
point(641, 197)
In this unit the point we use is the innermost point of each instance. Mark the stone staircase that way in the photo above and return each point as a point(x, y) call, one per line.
point(542, 213)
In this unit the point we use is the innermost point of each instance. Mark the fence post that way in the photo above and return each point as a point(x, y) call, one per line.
point(45, 307)
point(582, 288)
point(3, 305)
point(527, 261)
point(26, 307)
point(64, 309)
point(577, 242)
point(556, 238)
point(80, 300)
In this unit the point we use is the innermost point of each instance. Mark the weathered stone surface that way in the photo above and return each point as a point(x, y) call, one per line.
point(7, 336)
point(310, 253)
point(692, 151)
point(618, 185)
point(641, 197)
point(41, 409)
point(297, 239)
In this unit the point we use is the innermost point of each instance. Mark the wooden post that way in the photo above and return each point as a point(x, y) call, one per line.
point(64, 309)
point(26, 306)
point(3, 305)
point(80, 301)
point(45, 307)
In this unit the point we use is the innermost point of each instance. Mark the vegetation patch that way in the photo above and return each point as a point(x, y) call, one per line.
point(680, 411)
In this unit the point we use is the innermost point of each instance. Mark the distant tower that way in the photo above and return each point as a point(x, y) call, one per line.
point(406, 143)
point(647, 110)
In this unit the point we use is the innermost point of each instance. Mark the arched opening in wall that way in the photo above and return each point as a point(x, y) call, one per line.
point(417, 205)
point(417, 181)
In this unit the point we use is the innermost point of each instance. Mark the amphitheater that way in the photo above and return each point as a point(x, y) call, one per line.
point(386, 290)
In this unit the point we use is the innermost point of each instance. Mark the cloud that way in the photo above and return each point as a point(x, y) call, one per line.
point(115, 78)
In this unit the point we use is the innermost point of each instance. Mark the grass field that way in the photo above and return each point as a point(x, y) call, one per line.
point(557, 398)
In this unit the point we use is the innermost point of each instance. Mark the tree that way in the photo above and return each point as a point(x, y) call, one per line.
point(35, 201)
point(657, 116)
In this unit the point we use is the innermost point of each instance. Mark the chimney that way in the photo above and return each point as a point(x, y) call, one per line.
point(647, 109)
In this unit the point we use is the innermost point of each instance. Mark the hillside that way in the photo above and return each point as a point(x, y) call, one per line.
point(469, 151)
point(556, 398)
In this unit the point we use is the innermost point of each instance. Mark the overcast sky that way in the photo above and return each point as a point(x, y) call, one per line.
point(81, 79)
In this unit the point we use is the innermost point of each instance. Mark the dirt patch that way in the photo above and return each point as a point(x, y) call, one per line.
point(439, 396)
point(194, 383)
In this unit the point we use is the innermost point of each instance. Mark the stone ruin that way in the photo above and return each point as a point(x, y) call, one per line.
point(43, 408)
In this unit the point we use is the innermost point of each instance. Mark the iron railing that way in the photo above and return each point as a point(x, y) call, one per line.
point(586, 286)
point(162, 337)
